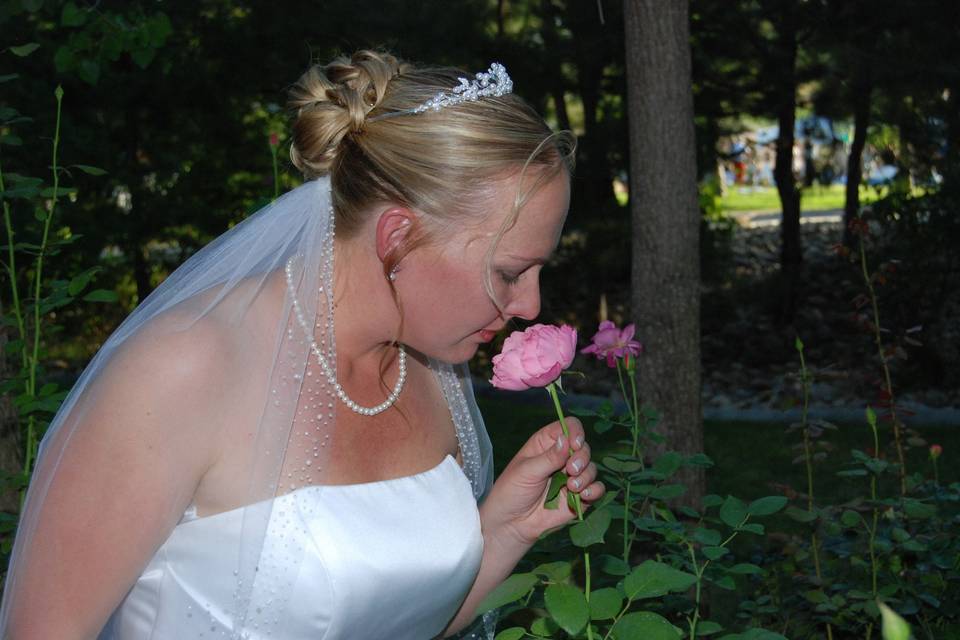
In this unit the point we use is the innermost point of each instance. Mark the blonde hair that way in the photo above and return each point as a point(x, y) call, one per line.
point(438, 163)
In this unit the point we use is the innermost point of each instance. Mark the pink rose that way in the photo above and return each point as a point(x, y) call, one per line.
point(936, 451)
point(611, 343)
point(534, 357)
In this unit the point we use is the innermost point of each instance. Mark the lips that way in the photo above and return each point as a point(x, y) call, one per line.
point(487, 335)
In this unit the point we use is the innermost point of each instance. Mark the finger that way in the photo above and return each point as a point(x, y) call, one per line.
point(579, 460)
point(575, 427)
point(541, 467)
point(576, 483)
point(594, 492)
point(546, 437)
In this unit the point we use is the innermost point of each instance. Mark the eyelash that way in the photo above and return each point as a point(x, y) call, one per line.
point(509, 279)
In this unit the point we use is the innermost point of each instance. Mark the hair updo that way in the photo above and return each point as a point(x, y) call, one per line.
point(439, 163)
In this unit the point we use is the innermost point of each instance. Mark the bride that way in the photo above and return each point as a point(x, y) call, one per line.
point(282, 441)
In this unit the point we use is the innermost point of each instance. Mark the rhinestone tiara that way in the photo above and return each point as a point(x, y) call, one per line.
point(491, 83)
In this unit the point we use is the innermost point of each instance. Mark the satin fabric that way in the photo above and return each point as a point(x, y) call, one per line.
point(389, 559)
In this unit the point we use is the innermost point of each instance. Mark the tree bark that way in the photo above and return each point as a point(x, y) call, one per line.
point(861, 119)
point(791, 253)
point(666, 222)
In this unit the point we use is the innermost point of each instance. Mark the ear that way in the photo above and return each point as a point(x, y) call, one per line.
point(393, 228)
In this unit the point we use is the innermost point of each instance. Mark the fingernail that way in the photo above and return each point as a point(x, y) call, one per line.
point(559, 443)
point(586, 493)
point(576, 483)
point(576, 466)
point(579, 441)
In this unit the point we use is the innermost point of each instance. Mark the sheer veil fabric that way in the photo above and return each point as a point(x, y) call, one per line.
point(235, 286)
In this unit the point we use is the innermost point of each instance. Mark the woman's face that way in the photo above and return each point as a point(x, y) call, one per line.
point(447, 311)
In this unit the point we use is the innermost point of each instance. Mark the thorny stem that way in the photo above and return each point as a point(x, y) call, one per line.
point(635, 432)
point(552, 389)
point(31, 443)
point(872, 530)
point(897, 436)
point(814, 543)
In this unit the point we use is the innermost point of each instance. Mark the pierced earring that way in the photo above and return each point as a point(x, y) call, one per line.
point(393, 274)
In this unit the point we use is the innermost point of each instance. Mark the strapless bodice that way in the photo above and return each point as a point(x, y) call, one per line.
point(389, 559)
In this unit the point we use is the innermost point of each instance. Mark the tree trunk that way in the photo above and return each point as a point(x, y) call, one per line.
point(595, 182)
point(551, 43)
point(791, 254)
point(666, 222)
point(861, 119)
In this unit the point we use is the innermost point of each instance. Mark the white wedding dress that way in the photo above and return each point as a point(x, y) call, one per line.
point(391, 559)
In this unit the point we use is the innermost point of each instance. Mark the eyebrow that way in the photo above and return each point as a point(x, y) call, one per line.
point(528, 259)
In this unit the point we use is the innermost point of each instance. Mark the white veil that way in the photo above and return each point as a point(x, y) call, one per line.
point(231, 285)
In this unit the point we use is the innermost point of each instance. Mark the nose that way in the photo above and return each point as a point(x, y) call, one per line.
point(526, 304)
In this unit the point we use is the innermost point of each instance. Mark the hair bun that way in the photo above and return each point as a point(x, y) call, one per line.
point(332, 101)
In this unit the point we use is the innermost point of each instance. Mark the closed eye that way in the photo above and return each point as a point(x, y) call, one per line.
point(510, 278)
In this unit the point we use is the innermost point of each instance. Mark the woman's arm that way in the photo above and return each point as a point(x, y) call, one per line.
point(513, 515)
point(132, 452)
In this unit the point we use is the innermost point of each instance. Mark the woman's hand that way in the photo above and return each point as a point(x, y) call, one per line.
point(515, 504)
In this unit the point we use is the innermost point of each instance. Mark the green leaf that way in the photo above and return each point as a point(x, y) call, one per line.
point(753, 527)
point(89, 71)
point(605, 604)
point(32, 5)
point(64, 60)
point(71, 16)
point(567, 606)
point(919, 510)
point(602, 426)
point(8, 77)
point(554, 571)
point(733, 511)
point(24, 50)
point(612, 565)
point(592, 529)
point(715, 553)
point(800, 515)
point(745, 568)
point(60, 192)
point(510, 590)
point(668, 492)
point(726, 582)
point(766, 506)
point(143, 56)
point(93, 171)
point(851, 473)
point(646, 625)
point(544, 627)
point(756, 634)
point(894, 627)
point(708, 627)
point(709, 537)
point(850, 518)
point(653, 579)
point(513, 633)
point(668, 463)
point(712, 500)
point(101, 295)
point(699, 460)
point(557, 482)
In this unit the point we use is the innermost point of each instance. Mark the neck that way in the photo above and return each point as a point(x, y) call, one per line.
point(365, 316)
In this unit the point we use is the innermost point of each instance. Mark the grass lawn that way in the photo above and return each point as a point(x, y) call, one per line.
point(815, 198)
point(749, 458)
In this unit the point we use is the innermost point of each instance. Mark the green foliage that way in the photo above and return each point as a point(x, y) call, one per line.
point(36, 294)
point(653, 559)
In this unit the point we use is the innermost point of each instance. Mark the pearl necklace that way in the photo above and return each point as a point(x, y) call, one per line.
point(328, 370)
